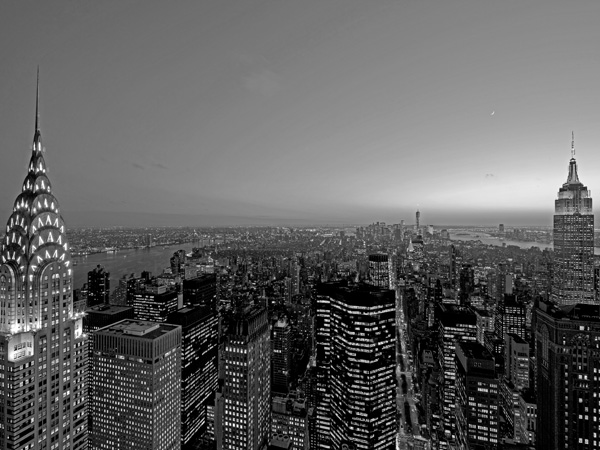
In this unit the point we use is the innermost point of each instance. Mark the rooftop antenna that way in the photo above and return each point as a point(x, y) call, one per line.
point(572, 144)
point(37, 101)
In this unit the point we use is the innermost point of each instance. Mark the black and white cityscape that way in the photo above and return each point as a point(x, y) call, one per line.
point(333, 225)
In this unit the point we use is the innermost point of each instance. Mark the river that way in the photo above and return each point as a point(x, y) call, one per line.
point(491, 240)
point(123, 262)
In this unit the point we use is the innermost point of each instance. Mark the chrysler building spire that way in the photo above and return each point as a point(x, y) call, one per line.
point(37, 321)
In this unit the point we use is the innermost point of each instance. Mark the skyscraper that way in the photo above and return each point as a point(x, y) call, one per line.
point(98, 286)
point(199, 366)
point(247, 384)
point(573, 280)
point(477, 414)
point(281, 363)
point(568, 363)
point(362, 370)
point(137, 386)
point(323, 363)
point(43, 353)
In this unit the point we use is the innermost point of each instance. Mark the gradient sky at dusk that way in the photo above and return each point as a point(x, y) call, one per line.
point(334, 111)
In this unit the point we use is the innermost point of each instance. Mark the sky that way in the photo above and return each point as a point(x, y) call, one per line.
point(313, 112)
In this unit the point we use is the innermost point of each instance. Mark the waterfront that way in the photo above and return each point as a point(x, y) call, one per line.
point(491, 240)
point(122, 262)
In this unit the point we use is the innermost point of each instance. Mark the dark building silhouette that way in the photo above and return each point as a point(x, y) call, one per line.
point(568, 382)
point(477, 394)
point(43, 350)
point(199, 367)
point(457, 324)
point(98, 286)
point(201, 290)
point(281, 364)
point(573, 280)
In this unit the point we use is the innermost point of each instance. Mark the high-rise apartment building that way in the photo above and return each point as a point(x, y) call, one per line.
point(136, 387)
point(477, 393)
point(281, 363)
point(43, 352)
point(573, 280)
point(98, 286)
point(568, 380)
point(362, 381)
point(246, 397)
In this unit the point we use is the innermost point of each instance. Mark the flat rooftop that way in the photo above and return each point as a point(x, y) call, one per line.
point(138, 328)
point(106, 309)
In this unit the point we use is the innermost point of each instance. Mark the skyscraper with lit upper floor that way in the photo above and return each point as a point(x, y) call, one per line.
point(43, 354)
point(573, 280)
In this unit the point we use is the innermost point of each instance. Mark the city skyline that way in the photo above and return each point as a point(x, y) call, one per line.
point(254, 113)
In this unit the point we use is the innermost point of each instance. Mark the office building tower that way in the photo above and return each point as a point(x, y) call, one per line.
point(200, 290)
point(379, 272)
point(516, 361)
point(362, 370)
point(199, 370)
point(281, 363)
point(573, 280)
point(101, 316)
point(43, 350)
point(136, 386)
point(457, 324)
point(477, 414)
point(155, 302)
point(98, 286)
point(568, 364)
point(246, 397)
point(510, 317)
point(289, 418)
point(322, 366)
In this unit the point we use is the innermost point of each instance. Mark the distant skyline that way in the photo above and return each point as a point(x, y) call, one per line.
point(251, 112)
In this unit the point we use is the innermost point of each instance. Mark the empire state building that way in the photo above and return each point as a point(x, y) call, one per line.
point(573, 280)
point(43, 357)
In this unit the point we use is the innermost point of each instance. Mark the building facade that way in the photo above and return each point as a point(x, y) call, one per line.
point(43, 350)
point(136, 387)
point(98, 286)
point(568, 380)
point(477, 394)
point(281, 344)
point(246, 397)
point(199, 367)
point(573, 280)
point(362, 370)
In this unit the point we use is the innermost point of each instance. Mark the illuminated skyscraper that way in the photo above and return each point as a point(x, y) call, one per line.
point(136, 386)
point(246, 416)
point(573, 280)
point(43, 353)
point(568, 362)
point(362, 369)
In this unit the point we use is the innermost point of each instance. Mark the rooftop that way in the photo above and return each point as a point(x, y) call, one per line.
point(138, 328)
